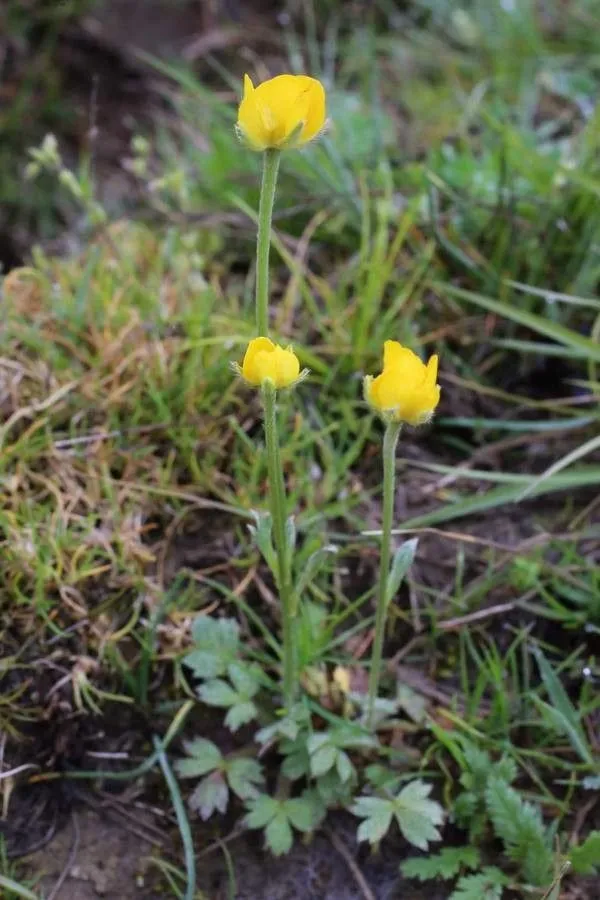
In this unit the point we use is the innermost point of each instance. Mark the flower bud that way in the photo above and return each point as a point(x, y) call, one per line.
point(265, 361)
point(406, 390)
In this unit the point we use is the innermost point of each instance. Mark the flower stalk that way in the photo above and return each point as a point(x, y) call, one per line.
point(271, 159)
point(390, 443)
point(283, 552)
point(280, 114)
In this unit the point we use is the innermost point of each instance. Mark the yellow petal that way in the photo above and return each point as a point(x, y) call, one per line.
point(250, 121)
point(248, 87)
point(419, 407)
point(287, 367)
point(395, 355)
point(252, 365)
point(387, 391)
point(432, 369)
point(315, 120)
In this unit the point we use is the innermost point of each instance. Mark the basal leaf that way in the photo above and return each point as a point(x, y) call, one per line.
point(585, 859)
point(244, 678)
point(202, 756)
point(278, 835)
point(243, 776)
point(240, 714)
point(217, 693)
point(344, 767)
point(262, 810)
point(323, 760)
point(418, 816)
point(377, 813)
point(486, 885)
point(212, 794)
point(300, 812)
point(216, 646)
point(448, 863)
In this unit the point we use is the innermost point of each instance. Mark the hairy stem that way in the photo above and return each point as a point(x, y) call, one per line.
point(390, 442)
point(265, 216)
point(278, 513)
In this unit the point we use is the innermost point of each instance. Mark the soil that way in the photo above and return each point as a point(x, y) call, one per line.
point(95, 857)
point(329, 867)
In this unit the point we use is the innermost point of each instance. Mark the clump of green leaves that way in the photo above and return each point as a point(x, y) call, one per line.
point(321, 768)
point(489, 801)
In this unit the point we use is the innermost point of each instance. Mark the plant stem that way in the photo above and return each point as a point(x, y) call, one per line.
point(278, 514)
point(182, 820)
point(265, 216)
point(390, 442)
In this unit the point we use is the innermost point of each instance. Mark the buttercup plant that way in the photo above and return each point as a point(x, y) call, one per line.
point(320, 762)
point(405, 392)
point(282, 113)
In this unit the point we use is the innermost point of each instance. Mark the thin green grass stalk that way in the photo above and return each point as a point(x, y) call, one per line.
point(17, 889)
point(265, 215)
point(278, 513)
point(390, 442)
point(182, 820)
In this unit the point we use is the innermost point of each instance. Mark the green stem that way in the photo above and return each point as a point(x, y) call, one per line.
point(182, 820)
point(278, 513)
point(265, 216)
point(390, 442)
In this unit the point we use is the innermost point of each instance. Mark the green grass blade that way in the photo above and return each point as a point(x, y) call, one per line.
point(563, 711)
point(498, 497)
point(17, 889)
point(544, 326)
point(539, 348)
point(554, 296)
point(562, 463)
point(516, 424)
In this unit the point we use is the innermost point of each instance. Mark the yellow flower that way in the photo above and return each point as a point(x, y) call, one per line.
point(406, 390)
point(283, 112)
point(265, 361)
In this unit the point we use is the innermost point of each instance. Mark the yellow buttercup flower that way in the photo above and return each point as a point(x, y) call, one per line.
point(406, 390)
point(281, 113)
point(265, 361)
